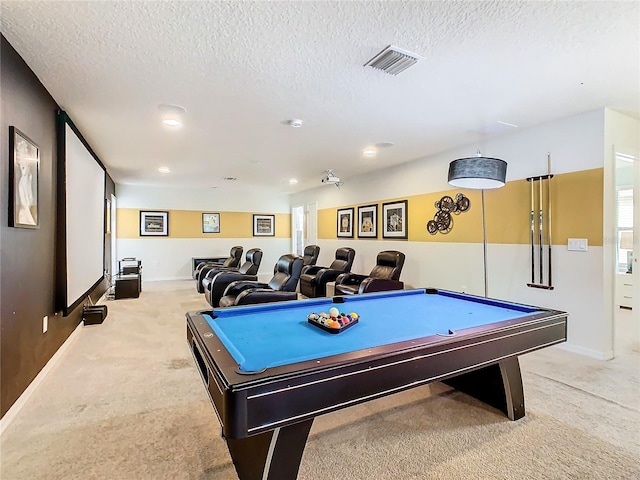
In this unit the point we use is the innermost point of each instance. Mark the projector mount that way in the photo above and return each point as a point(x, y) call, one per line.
point(331, 178)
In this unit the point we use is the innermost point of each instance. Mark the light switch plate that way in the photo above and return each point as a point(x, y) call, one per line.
point(577, 245)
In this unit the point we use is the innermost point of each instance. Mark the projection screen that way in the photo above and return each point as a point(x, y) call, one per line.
point(84, 193)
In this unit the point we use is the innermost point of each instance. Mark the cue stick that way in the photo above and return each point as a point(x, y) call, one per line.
point(533, 242)
point(549, 210)
point(484, 250)
point(540, 232)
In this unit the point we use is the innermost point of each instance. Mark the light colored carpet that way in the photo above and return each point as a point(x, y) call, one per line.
point(126, 402)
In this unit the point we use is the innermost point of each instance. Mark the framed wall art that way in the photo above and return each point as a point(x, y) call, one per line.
point(264, 225)
point(210, 223)
point(368, 221)
point(154, 224)
point(24, 171)
point(345, 222)
point(394, 219)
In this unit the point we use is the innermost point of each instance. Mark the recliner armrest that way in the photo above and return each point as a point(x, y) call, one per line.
point(310, 270)
point(235, 288)
point(327, 275)
point(351, 279)
point(371, 284)
point(263, 295)
point(219, 283)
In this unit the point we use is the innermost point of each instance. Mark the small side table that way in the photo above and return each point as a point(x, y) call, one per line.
point(331, 289)
point(127, 286)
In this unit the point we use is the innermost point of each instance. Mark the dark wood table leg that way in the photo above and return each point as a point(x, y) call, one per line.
point(273, 455)
point(499, 385)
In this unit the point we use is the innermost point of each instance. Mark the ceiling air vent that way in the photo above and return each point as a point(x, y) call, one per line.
point(393, 60)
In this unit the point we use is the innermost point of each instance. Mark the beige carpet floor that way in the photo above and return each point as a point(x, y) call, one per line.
point(125, 401)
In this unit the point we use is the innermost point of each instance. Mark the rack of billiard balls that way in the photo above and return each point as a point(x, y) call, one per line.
point(334, 321)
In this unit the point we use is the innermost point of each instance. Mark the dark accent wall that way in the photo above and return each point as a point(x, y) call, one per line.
point(27, 256)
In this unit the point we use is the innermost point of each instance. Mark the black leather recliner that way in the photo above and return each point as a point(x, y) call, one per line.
point(384, 276)
point(310, 256)
point(235, 256)
point(313, 281)
point(251, 265)
point(215, 284)
point(280, 288)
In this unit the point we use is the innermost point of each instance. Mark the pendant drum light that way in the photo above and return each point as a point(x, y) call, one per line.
point(478, 172)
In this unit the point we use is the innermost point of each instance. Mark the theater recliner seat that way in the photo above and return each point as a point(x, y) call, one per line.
point(313, 280)
point(232, 262)
point(251, 265)
point(310, 256)
point(281, 287)
point(384, 276)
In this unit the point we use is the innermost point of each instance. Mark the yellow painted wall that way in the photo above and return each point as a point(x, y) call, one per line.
point(576, 201)
point(188, 224)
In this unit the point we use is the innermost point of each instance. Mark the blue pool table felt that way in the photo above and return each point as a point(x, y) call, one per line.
point(270, 335)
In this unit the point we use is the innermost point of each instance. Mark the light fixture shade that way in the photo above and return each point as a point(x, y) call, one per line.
point(478, 173)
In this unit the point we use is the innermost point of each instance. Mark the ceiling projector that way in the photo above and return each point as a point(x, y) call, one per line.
point(330, 178)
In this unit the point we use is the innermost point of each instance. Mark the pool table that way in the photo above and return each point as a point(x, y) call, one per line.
point(269, 372)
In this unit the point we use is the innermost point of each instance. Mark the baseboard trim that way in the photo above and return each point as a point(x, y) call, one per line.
point(587, 352)
point(12, 413)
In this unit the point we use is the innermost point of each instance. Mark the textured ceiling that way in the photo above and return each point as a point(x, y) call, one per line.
point(242, 69)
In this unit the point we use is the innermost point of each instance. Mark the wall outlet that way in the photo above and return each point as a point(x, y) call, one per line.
point(45, 323)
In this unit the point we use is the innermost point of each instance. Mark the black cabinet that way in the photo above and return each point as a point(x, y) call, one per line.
point(127, 286)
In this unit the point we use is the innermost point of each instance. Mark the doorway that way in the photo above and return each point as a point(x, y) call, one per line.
point(304, 226)
point(626, 293)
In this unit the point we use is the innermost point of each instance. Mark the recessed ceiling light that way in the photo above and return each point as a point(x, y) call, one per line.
point(164, 170)
point(369, 152)
point(384, 145)
point(171, 115)
point(293, 181)
point(295, 123)
point(172, 122)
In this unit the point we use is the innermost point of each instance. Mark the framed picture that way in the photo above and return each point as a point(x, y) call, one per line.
point(264, 225)
point(154, 224)
point(210, 223)
point(368, 221)
point(24, 171)
point(345, 222)
point(394, 219)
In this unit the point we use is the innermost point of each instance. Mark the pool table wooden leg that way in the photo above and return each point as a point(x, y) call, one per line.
point(499, 385)
point(273, 455)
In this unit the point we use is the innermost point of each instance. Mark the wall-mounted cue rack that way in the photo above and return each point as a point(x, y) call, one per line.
point(540, 219)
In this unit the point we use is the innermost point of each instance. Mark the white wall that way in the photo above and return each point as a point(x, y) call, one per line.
point(206, 199)
point(170, 258)
point(575, 144)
